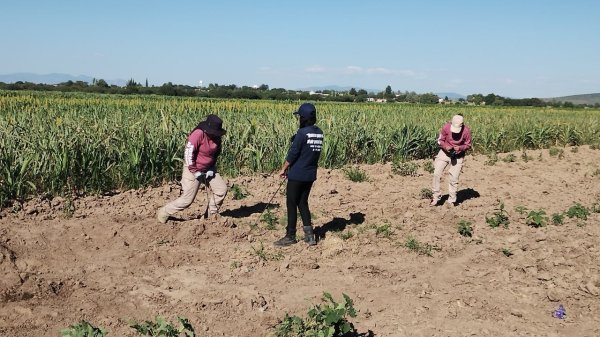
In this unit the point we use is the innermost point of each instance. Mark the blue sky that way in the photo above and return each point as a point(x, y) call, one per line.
point(524, 48)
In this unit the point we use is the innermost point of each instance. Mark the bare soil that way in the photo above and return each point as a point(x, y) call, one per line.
point(106, 259)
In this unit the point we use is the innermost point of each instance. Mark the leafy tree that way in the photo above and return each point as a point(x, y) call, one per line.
point(429, 98)
point(101, 83)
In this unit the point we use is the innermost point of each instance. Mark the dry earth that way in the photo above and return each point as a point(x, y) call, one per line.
point(111, 261)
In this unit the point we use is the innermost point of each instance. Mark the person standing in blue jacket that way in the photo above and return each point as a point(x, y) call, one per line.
point(300, 168)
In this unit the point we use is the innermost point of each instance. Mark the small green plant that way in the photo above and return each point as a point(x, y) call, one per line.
point(525, 157)
point(260, 252)
point(578, 211)
point(235, 265)
point(426, 193)
point(507, 252)
point(428, 166)
point(83, 329)
point(521, 210)
point(384, 230)
point(595, 208)
point(418, 247)
point(325, 320)
point(537, 218)
point(557, 218)
point(556, 152)
point(405, 168)
point(346, 235)
point(163, 328)
point(510, 158)
point(596, 172)
point(265, 256)
point(499, 217)
point(355, 174)
point(270, 219)
point(68, 207)
point(238, 192)
point(492, 159)
point(465, 229)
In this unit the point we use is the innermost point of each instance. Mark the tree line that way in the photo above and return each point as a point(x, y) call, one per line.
point(263, 92)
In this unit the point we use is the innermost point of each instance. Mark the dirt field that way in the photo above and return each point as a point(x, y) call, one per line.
point(111, 261)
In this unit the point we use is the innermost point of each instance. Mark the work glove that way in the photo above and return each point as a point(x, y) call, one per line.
point(210, 174)
point(200, 176)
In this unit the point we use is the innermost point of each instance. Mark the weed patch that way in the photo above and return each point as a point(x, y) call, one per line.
point(426, 193)
point(238, 192)
point(537, 218)
point(405, 169)
point(418, 247)
point(163, 328)
point(465, 229)
point(511, 158)
point(578, 211)
point(507, 252)
point(385, 231)
point(355, 174)
point(325, 320)
point(346, 235)
point(83, 329)
point(270, 220)
point(492, 159)
point(499, 217)
point(557, 218)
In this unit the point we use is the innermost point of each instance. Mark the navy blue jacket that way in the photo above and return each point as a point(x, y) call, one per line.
point(304, 153)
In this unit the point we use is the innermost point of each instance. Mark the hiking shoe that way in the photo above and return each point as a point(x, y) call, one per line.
point(449, 204)
point(434, 202)
point(285, 241)
point(162, 216)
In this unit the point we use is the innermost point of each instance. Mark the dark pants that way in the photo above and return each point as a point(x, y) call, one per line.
point(297, 198)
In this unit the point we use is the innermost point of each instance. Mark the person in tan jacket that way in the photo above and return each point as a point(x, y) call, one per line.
point(454, 140)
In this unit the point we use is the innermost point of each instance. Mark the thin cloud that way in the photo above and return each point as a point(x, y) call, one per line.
point(356, 70)
point(316, 69)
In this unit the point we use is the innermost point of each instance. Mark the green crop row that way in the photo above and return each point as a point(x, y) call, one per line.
point(57, 143)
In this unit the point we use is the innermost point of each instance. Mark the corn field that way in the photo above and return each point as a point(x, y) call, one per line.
point(64, 143)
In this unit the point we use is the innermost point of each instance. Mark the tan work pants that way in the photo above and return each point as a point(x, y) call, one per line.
point(441, 161)
point(189, 189)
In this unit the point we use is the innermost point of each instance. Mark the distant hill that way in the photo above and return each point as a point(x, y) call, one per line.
point(451, 95)
point(53, 78)
point(589, 99)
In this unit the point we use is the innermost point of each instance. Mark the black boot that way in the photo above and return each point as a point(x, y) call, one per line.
point(285, 241)
point(309, 236)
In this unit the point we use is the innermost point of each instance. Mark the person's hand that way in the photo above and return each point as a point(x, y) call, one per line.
point(456, 148)
point(448, 148)
point(199, 176)
point(283, 173)
point(210, 174)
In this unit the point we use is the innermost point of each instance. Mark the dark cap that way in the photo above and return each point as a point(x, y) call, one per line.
point(213, 125)
point(306, 110)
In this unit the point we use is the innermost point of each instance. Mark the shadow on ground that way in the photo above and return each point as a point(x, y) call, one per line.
point(461, 196)
point(246, 211)
point(339, 224)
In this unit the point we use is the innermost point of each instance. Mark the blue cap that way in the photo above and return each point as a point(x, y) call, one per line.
point(306, 110)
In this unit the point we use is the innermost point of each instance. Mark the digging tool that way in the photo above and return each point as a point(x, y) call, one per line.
point(270, 200)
